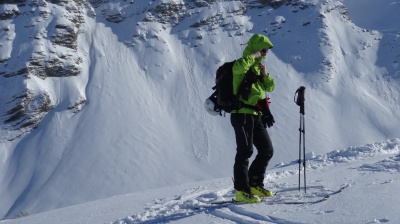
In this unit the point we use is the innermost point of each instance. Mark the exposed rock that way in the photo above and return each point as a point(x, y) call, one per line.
point(29, 110)
point(59, 1)
point(115, 18)
point(26, 109)
point(17, 73)
point(97, 3)
point(78, 105)
point(66, 36)
point(12, 1)
point(278, 3)
point(54, 67)
point(166, 13)
point(8, 13)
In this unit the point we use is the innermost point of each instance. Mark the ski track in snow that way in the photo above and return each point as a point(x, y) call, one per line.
point(198, 200)
point(240, 215)
point(199, 135)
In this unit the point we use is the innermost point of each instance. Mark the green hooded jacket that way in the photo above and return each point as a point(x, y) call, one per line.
point(256, 43)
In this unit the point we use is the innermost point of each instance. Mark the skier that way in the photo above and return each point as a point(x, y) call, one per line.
point(251, 80)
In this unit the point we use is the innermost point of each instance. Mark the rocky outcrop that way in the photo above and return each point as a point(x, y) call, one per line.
point(12, 1)
point(26, 108)
point(278, 3)
point(29, 109)
point(9, 13)
point(55, 66)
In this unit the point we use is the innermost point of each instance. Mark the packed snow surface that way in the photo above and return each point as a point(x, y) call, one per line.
point(353, 185)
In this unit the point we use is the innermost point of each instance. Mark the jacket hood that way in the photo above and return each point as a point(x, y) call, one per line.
point(256, 43)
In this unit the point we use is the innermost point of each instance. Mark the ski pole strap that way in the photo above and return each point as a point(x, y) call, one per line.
point(300, 98)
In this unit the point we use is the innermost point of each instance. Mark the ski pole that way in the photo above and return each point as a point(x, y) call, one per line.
point(299, 161)
point(304, 153)
point(300, 102)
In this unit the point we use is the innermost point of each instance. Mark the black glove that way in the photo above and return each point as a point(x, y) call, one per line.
point(266, 118)
point(245, 87)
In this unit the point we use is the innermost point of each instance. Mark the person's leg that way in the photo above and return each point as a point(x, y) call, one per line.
point(263, 144)
point(243, 126)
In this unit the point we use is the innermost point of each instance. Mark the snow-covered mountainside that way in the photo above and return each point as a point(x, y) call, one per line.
point(100, 98)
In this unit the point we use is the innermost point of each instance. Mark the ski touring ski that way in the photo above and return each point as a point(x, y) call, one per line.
point(265, 200)
point(224, 203)
point(309, 202)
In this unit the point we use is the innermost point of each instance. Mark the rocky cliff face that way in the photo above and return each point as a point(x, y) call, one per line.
point(45, 46)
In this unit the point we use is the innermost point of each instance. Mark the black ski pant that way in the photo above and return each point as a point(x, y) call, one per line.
point(249, 130)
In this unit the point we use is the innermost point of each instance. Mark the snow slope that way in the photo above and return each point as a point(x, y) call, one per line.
point(359, 185)
point(143, 83)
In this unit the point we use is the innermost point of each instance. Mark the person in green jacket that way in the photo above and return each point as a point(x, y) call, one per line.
point(251, 81)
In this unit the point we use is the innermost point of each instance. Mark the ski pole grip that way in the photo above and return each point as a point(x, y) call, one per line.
point(300, 98)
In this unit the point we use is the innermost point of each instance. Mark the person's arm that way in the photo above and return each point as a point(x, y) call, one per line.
point(268, 81)
point(240, 68)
